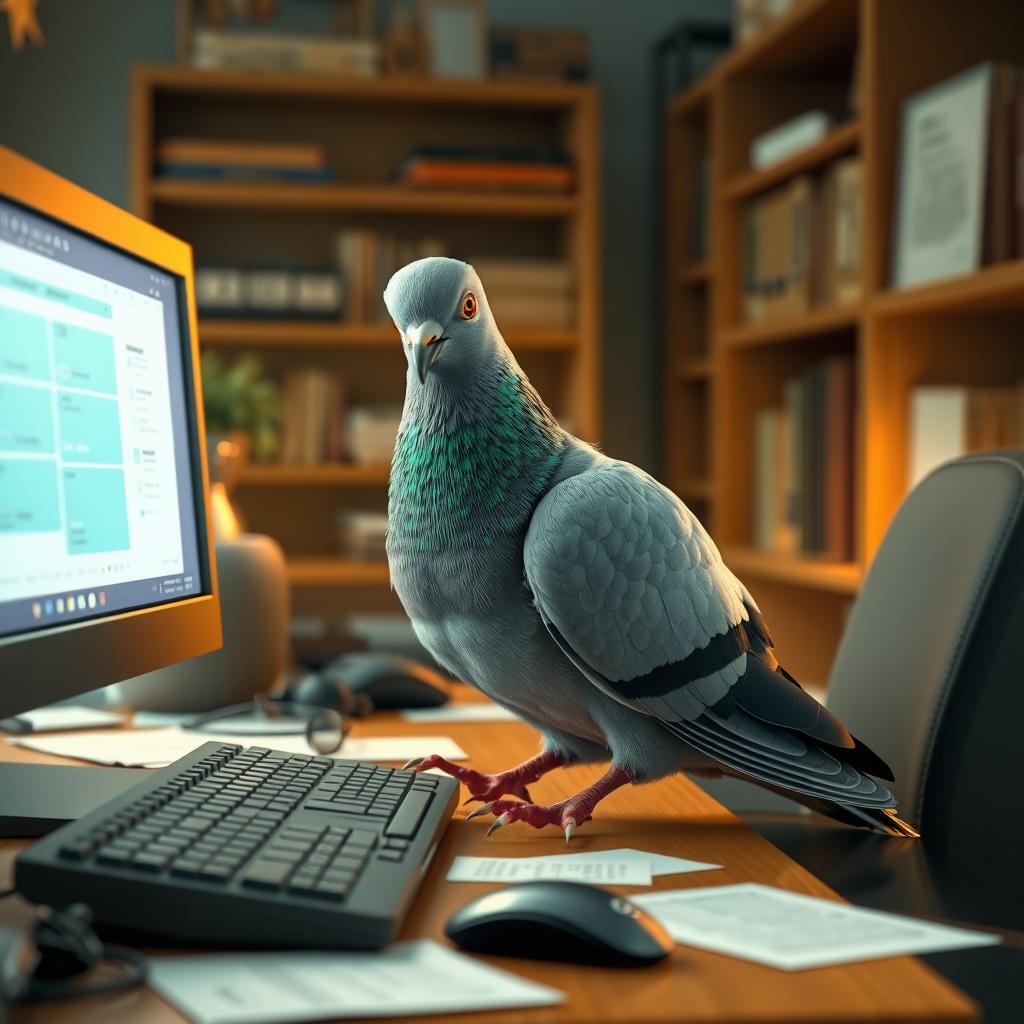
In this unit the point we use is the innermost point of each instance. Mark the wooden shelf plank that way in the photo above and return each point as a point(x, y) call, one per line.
point(693, 100)
point(389, 199)
point(395, 91)
point(842, 140)
point(992, 289)
point(331, 334)
point(337, 475)
point(819, 321)
point(802, 571)
point(811, 27)
point(694, 273)
point(336, 572)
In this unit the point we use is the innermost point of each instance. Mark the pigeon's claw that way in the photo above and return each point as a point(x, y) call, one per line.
point(567, 815)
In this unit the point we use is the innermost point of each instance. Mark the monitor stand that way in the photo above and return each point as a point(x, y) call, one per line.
point(37, 798)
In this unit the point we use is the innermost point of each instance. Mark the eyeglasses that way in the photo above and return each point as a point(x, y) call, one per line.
point(324, 728)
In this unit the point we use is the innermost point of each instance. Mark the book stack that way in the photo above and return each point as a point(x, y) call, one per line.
point(802, 244)
point(803, 467)
point(268, 294)
point(530, 170)
point(254, 161)
point(362, 535)
point(275, 51)
point(529, 293)
point(371, 432)
point(312, 418)
point(947, 422)
point(366, 260)
point(536, 53)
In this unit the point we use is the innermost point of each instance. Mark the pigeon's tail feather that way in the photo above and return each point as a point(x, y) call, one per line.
point(791, 763)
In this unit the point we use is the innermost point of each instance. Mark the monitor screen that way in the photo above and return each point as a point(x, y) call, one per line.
point(98, 506)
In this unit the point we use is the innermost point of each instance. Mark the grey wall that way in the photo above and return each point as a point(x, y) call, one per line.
point(66, 105)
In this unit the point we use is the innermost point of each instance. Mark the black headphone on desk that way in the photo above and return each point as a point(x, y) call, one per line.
point(63, 946)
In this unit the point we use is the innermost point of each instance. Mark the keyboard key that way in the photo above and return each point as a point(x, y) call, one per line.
point(387, 854)
point(393, 843)
point(330, 890)
point(361, 837)
point(267, 874)
point(195, 823)
point(116, 858)
point(214, 872)
point(409, 814)
point(77, 850)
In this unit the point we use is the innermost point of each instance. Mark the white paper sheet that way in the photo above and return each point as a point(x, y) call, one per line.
point(68, 717)
point(569, 868)
point(152, 748)
point(411, 978)
point(659, 863)
point(460, 713)
point(791, 931)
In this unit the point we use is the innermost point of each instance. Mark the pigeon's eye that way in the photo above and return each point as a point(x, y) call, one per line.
point(469, 306)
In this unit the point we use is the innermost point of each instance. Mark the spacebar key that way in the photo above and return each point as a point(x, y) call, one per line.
point(407, 818)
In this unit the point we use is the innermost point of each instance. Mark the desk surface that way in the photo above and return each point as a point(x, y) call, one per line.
point(673, 816)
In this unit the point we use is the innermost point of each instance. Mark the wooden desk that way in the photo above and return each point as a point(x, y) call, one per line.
point(674, 817)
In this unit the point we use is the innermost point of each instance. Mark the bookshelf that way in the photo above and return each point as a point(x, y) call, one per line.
point(720, 371)
point(366, 127)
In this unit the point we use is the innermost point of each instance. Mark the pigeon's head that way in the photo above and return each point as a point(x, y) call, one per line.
point(441, 312)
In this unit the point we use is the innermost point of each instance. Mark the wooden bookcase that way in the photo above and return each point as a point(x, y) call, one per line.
point(720, 372)
point(366, 127)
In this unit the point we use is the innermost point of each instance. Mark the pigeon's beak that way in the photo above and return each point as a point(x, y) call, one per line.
point(425, 343)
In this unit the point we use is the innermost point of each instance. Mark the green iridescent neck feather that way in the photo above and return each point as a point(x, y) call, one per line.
point(477, 481)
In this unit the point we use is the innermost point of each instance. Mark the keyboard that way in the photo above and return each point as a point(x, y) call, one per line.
point(250, 847)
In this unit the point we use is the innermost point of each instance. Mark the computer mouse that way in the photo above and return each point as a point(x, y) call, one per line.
point(567, 921)
point(384, 680)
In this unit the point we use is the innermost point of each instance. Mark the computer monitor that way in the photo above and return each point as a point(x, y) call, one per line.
point(106, 567)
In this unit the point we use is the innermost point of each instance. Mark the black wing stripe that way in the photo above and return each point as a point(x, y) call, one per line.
point(721, 650)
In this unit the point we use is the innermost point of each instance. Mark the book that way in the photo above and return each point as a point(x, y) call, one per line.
point(268, 293)
point(938, 429)
point(791, 536)
point(539, 53)
point(812, 451)
point(312, 418)
point(524, 274)
point(244, 172)
point(845, 255)
point(768, 457)
point(944, 152)
point(273, 51)
point(792, 136)
point(779, 226)
point(238, 153)
point(436, 173)
point(838, 458)
point(532, 308)
point(998, 240)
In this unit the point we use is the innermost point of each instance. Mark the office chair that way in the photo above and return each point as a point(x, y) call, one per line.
point(928, 673)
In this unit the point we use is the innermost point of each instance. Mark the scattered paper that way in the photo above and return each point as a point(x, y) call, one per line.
point(460, 713)
point(659, 863)
point(791, 931)
point(155, 748)
point(418, 977)
point(569, 868)
point(68, 717)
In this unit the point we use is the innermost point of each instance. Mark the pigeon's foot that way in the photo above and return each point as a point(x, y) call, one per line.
point(491, 787)
point(566, 814)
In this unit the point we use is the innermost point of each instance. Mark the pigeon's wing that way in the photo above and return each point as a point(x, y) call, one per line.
point(635, 593)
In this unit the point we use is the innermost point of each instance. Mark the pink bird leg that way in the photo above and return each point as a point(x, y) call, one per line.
point(568, 814)
point(490, 787)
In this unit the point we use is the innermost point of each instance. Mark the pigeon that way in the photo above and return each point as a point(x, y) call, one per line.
point(582, 595)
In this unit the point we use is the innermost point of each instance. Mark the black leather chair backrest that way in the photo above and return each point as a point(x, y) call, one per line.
point(929, 671)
